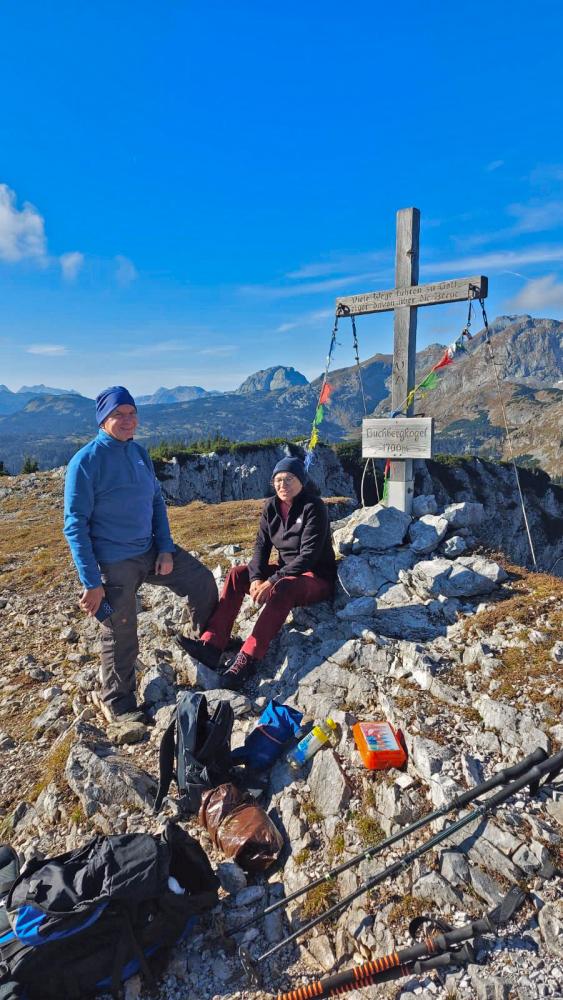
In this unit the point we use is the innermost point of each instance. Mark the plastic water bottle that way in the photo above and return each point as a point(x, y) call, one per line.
point(320, 734)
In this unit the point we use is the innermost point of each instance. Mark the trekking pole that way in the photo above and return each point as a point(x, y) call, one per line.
point(500, 778)
point(532, 778)
point(353, 979)
point(431, 953)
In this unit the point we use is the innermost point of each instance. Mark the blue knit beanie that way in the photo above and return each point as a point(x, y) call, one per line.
point(110, 399)
point(293, 465)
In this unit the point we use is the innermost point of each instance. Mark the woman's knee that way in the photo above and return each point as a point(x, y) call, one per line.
point(238, 577)
point(283, 592)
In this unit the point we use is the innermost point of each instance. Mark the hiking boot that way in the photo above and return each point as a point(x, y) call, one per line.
point(203, 651)
point(234, 644)
point(238, 671)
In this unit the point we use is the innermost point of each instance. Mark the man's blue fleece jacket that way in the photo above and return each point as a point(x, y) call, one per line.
point(113, 506)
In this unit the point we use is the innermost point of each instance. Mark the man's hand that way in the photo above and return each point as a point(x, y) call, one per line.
point(91, 600)
point(263, 592)
point(164, 564)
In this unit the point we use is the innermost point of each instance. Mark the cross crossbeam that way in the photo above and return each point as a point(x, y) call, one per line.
point(458, 290)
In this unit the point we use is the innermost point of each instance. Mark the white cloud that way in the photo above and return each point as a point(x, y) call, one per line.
point(218, 351)
point(309, 287)
point(494, 165)
point(125, 272)
point(22, 231)
point(499, 260)
point(540, 294)
point(71, 263)
point(536, 217)
point(47, 350)
point(342, 264)
point(308, 319)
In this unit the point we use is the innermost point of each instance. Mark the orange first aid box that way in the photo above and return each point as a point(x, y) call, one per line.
point(379, 745)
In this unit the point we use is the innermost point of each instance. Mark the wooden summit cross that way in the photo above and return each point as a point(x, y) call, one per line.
point(404, 300)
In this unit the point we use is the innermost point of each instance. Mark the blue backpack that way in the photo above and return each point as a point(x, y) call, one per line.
point(277, 725)
point(83, 922)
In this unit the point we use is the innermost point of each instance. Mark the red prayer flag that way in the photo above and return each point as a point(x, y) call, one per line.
point(446, 360)
point(325, 393)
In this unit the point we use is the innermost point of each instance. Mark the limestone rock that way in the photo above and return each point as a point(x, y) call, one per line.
point(551, 927)
point(465, 577)
point(428, 757)
point(416, 622)
point(157, 685)
point(330, 789)
point(486, 986)
point(376, 528)
point(426, 534)
point(424, 504)
point(102, 776)
point(464, 515)
point(356, 577)
point(231, 876)
point(454, 547)
point(434, 887)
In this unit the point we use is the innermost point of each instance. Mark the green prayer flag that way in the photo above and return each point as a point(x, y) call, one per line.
point(430, 382)
point(319, 415)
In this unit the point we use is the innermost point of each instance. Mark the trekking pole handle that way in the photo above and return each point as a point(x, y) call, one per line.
point(538, 756)
point(459, 956)
point(548, 768)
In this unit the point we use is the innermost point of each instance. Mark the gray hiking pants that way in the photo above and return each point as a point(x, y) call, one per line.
point(120, 647)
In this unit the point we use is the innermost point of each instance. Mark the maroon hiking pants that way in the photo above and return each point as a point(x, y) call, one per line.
point(287, 593)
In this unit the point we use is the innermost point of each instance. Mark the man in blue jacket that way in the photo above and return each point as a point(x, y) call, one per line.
point(117, 528)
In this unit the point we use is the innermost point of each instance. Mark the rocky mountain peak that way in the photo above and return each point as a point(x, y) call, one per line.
point(272, 380)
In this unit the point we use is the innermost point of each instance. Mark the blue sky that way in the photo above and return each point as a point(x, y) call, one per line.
point(185, 187)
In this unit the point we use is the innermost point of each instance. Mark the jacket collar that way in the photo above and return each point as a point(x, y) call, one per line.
point(110, 442)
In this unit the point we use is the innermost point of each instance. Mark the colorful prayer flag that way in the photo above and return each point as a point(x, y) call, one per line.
point(319, 414)
point(428, 383)
point(325, 393)
point(445, 360)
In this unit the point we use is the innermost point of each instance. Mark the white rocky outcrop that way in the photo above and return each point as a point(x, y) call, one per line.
point(244, 474)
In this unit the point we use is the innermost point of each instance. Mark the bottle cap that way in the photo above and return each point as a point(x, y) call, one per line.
point(330, 722)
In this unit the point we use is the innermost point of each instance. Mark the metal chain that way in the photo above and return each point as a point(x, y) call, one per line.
point(310, 453)
point(508, 438)
point(357, 354)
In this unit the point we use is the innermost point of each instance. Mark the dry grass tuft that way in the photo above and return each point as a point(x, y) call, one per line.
point(53, 766)
point(319, 899)
point(33, 552)
point(408, 908)
point(369, 830)
point(527, 596)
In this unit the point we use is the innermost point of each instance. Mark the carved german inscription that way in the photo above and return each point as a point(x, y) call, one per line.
point(416, 295)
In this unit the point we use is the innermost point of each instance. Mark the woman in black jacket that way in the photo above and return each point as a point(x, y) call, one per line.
point(295, 522)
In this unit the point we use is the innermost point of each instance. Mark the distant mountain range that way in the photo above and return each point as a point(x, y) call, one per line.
point(11, 402)
point(279, 402)
point(180, 394)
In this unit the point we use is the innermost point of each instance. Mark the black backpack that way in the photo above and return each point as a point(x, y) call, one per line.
point(201, 747)
point(80, 923)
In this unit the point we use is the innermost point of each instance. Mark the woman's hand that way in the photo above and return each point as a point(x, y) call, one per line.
point(263, 592)
point(254, 588)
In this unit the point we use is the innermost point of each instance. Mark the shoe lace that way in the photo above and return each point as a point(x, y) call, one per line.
point(239, 663)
